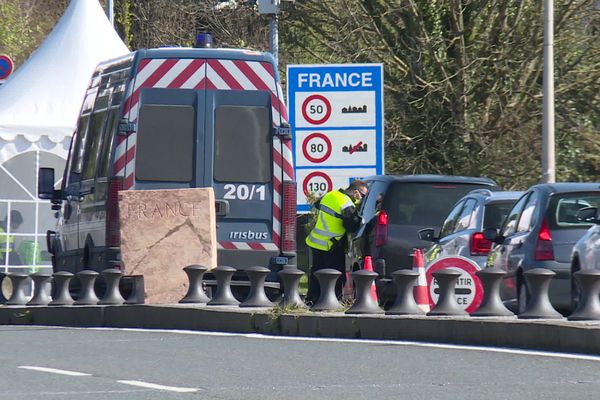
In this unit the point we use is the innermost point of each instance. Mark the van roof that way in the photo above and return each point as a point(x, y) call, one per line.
point(432, 178)
point(189, 52)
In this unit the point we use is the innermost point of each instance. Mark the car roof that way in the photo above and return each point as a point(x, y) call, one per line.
point(432, 178)
point(498, 196)
point(567, 187)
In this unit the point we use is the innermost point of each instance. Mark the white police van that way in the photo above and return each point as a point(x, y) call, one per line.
point(172, 118)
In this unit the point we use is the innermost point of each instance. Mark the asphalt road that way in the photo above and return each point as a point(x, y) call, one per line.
point(66, 363)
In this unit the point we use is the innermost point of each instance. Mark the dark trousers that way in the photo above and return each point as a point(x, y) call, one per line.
point(334, 258)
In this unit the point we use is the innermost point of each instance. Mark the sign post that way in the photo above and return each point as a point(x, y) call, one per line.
point(336, 116)
point(468, 290)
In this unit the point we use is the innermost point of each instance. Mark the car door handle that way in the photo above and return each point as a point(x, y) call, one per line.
point(518, 245)
point(502, 249)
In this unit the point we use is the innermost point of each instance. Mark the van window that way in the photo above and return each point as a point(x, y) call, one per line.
point(423, 204)
point(109, 133)
point(165, 143)
point(242, 144)
point(75, 159)
point(92, 144)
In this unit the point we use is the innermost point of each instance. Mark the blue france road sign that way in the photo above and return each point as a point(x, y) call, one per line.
point(6, 66)
point(336, 116)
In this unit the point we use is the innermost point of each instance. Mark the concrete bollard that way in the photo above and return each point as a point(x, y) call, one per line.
point(3, 299)
point(327, 300)
point(112, 295)
point(405, 303)
point(491, 305)
point(290, 279)
point(138, 294)
point(195, 293)
point(40, 283)
point(19, 282)
point(446, 304)
point(87, 295)
point(539, 306)
point(589, 296)
point(363, 302)
point(257, 297)
point(223, 295)
point(62, 296)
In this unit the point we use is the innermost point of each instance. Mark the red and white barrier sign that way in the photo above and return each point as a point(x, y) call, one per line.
point(468, 290)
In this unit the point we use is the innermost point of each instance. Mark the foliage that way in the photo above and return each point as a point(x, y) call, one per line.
point(463, 78)
point(24, 24)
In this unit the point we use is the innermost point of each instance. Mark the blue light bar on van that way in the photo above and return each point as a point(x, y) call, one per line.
point(204, 40)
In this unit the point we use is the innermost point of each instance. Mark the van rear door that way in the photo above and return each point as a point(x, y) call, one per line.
point(239, 141)
point(169, 127)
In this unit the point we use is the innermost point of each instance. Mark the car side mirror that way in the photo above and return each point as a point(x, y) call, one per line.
point(588, 214)
point(493, 235)
point(428, 234)
point(46, 184)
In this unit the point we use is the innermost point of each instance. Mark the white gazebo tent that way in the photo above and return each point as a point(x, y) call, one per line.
point(39, 105)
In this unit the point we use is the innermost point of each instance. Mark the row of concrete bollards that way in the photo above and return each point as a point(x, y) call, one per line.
point(537, 281)
point(43, 282)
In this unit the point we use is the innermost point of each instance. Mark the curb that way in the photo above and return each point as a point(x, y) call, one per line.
point(547, 335)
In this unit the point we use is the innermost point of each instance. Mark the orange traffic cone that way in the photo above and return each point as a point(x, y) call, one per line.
point(369, 267)
point(420, 289)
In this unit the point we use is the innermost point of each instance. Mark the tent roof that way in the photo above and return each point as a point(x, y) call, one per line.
point(43, 97)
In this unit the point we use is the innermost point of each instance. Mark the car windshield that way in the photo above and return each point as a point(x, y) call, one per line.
point(562, 212)
point(423, 204)
point(495, 213)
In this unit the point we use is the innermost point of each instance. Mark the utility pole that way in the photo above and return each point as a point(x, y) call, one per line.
point(110, 12)
point(271, 8)
point(548, 164)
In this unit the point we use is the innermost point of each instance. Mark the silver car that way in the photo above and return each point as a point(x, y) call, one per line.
point(462, 231)
point(586, 252)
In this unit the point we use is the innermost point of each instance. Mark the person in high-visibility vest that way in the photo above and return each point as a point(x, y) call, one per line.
point(337, 216)
point(7, 241)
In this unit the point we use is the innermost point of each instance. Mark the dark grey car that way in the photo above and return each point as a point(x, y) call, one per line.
point(540, 232)
point(395, 209)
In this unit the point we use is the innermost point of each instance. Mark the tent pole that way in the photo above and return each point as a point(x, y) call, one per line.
point(109, 12)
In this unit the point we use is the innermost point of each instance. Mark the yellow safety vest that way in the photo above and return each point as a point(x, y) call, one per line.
point(329, 225)
point(4, 238)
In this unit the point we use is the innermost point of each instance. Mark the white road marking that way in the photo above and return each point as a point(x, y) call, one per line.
point(540, 353)
point(54, 370)
point(159, 387)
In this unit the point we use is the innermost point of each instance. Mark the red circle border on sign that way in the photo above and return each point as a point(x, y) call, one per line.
point(319, 136)
point(312, 175)
point(327, 105)
point(466, 265)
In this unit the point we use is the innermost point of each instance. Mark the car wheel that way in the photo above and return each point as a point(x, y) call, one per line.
point(575, 291)
point(522, 298)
